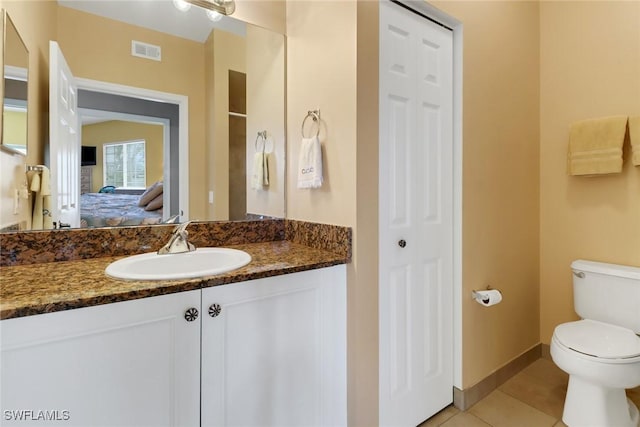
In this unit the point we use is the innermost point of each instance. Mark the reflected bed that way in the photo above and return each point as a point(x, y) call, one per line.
point(112, 209)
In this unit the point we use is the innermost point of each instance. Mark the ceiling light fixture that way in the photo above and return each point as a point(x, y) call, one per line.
point(214, 16)
point(182, 5)
point(223, 7)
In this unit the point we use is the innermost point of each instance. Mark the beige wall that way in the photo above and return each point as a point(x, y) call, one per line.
point(98, 134)
point(321, 74)
point(590, 67)
point(224, 51)
point(36, 23)
point(362, 295)
point(265, 63)
point(100, 49)
point(270, 14)
point(500, 180)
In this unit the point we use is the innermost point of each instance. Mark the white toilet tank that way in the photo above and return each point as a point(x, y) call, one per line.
point(609, 293)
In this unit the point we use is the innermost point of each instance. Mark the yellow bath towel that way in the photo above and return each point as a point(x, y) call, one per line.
point(634, 135)
point(595, 146)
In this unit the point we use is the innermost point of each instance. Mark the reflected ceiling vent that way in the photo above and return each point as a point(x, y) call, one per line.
point(146, 50)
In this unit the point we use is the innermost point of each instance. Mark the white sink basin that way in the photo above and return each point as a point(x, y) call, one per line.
point(187, 265)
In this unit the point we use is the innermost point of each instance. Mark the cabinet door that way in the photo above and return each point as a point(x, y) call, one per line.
point(276, 352)
point(133, 363)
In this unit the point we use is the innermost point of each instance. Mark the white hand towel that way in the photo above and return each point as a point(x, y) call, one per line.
point(45, 186)
point(35, 182)
point(36, 214)
point(310, 163)
point(257, 177)
point(37, 219)
point(265, 169)
point(41, 189)
point(45, 192)
point(47, 217)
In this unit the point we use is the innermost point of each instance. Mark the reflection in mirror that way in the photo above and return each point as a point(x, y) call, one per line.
point(111, 127)
point(187, 55)
point(221, 129)
point(106, 141)
point(16, 65)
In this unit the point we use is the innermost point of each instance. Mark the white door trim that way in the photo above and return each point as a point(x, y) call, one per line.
point(456, 26)
point(183, 113)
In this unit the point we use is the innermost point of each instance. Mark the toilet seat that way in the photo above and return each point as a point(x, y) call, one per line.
point(598, 339)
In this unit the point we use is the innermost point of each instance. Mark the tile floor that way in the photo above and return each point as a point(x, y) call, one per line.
point(532, 398)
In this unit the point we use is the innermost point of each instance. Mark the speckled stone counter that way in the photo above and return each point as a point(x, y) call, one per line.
point(47, 271)
point(54, 286)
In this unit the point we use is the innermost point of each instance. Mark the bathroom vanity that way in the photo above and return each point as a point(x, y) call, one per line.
point(264, 344)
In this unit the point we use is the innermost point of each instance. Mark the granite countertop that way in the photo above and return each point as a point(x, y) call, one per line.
point(54, 286)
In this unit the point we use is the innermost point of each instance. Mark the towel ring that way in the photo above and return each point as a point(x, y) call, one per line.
point(263, 135)
point(315, 115)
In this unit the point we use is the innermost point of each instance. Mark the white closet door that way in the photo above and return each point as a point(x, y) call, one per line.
point(64, 145)
point(416, 217)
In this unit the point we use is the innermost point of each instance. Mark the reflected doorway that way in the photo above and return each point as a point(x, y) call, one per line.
point(237, 145)
point(96, 106)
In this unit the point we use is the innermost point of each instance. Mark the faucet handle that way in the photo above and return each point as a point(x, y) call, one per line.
point(182, 228)
point(178, 242)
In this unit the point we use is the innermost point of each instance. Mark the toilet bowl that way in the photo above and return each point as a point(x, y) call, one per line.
point(602, 361)
point(601, 353)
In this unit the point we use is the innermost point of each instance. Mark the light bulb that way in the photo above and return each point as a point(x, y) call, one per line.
point(182, 5)
point(214, 16)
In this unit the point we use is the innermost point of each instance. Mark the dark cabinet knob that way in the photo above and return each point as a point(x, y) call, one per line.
point(402, 243)
point(215, 310)
point(191, 314)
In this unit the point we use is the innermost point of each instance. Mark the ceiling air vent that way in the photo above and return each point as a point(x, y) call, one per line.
point(145, 50)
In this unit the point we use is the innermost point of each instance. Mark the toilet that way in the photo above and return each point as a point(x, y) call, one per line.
point(601, 352)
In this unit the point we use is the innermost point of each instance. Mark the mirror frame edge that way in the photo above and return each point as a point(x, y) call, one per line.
point(3, 147)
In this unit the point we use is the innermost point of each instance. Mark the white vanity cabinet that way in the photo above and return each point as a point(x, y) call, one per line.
point(269, 352)
point(274, 351)
point(133, 363)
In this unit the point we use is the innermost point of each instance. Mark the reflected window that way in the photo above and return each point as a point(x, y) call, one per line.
point(124, 164)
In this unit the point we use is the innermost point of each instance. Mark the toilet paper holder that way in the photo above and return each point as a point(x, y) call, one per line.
point(485, 298)
point(475, 293)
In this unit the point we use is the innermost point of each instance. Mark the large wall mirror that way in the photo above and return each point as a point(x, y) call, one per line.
point(231, 72)
point(16, 73)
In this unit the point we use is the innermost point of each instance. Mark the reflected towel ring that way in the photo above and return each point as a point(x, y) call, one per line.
point(315, 115)
point(263, 135)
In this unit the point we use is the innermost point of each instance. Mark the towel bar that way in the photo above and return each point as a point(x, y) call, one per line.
point(315, 115)
point(263, 135)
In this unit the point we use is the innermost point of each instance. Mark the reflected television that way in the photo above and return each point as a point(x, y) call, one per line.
point(88, 156)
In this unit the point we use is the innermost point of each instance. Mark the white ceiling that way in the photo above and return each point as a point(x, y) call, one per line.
point(159, 15)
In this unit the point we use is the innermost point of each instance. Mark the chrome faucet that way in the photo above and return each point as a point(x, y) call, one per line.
point(172, 219)
point(178, 242)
